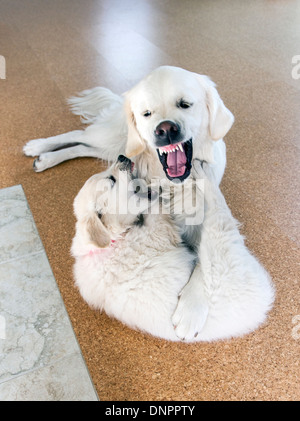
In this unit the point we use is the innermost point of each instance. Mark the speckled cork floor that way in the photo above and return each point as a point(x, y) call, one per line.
point(55, 49)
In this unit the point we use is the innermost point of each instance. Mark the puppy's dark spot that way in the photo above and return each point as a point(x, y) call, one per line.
point(140, 220)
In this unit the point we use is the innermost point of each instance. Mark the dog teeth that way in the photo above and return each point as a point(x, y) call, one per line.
point(176, 148)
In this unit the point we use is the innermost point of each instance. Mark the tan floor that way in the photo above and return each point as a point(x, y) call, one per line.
point(55, 49)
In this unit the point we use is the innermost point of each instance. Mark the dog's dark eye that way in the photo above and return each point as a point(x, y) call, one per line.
point(147, 113)
point(99, 214)
point(184, 104)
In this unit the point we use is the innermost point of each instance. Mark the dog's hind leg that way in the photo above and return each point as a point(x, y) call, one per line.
point(36, 147)
point(50, 159)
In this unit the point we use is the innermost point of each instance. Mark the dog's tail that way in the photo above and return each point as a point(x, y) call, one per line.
point(92, 104)
point(105, 113)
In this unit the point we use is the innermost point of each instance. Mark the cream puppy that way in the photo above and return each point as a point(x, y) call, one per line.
point(129, 262)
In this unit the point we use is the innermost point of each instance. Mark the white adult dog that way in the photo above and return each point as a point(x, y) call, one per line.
point(169, 119)
point(173, 114)
point(133, 264)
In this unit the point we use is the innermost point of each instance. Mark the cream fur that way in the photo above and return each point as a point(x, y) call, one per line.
point(139, 278)
point(234, 289)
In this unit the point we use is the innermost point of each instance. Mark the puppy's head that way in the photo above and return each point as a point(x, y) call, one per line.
point(110, 203)
point(176, 112)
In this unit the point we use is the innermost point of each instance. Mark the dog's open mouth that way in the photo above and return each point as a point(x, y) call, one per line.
point(176, 160)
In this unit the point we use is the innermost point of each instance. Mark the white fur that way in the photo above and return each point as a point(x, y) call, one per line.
point(136, 280)
point(106, 135)
point(139, 280)
point(236, 292)
point(117, 124)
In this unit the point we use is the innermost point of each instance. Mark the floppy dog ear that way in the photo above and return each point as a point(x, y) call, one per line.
point(220, 118)
point(135, 144)
point(97, 232)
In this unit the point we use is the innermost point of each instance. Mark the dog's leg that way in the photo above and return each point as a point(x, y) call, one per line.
point(193, 305)
point(192, 308)
point(36, 147)
point(50, 159)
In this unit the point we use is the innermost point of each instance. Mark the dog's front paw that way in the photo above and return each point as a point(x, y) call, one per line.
point(34, 147)
point(191, 312)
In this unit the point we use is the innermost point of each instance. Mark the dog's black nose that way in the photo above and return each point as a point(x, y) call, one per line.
point(122, 158)
point(167, 132)
point(124, 163)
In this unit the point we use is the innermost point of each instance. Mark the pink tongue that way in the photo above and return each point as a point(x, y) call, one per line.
point(176, 163)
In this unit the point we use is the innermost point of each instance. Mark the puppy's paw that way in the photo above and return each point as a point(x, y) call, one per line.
point(34, 147)
point(191, 313)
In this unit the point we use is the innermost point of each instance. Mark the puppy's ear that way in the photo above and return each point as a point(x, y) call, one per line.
point(135, 144)
point(220, 118)
point(97, 232)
